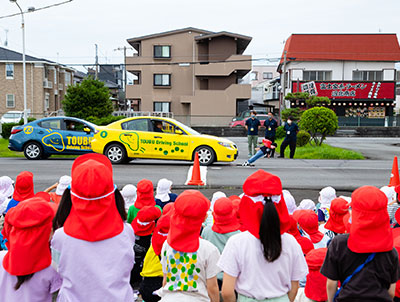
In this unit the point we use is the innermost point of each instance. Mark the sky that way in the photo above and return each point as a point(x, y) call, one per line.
point(68, 33)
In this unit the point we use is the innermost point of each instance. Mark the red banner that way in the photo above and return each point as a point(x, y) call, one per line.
point(351, 90)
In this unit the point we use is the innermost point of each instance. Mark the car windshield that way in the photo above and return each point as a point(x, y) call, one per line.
point(186, 128)
point(11, 115)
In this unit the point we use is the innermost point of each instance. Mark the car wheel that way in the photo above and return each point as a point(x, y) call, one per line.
point(116, 154)
point(206, 155)
point(33, 150)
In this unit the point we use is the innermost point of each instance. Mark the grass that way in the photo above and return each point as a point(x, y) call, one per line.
point(5, 152)
point(323, 152)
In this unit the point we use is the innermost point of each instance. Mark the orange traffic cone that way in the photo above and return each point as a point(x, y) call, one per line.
point(394, 177)
point(196, 176)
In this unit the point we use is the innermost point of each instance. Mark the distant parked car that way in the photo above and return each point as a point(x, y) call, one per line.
point(53, 135)
point(12, 117)
point(241, 123)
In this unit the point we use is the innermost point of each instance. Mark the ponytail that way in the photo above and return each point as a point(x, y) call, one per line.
point(64, 208)
point(270, 233)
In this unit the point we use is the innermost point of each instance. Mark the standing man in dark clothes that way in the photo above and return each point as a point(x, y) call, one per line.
point(290, 140)
point(270, 125)
point(252, 125)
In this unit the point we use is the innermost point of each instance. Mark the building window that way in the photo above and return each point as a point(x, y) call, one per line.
point(162, 107)
point(162, 80)
point(46, 101)
point(10, 101)
point(254, 76)
point(365, 75)
point(267, 75)
point(67, 79)
point(55, 76)
point(317, 75)
point(9, 71)
point(162, 51)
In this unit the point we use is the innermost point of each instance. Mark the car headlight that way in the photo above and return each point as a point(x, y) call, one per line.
point(226, 145)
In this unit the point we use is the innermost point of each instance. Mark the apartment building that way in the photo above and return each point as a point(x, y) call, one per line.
point(190, 72)
point(355, 71)
point(46, 84)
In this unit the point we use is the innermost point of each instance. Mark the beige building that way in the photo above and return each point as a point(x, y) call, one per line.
point(190, 72)
point(46, 84)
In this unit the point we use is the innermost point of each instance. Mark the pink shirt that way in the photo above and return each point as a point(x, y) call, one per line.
point(94, 271)
point(256, 277)
point(37, 289)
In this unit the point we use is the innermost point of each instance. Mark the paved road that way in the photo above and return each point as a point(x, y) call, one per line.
point(295, 174)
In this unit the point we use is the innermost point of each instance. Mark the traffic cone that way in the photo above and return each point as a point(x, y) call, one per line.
point(196, 176)
point(394, 177)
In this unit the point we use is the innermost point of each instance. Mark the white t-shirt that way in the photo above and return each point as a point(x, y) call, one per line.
point(37, 289)
point(94, 271)
point(187, 273)
point(257, 278)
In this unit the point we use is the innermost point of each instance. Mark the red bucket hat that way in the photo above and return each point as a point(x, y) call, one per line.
point(160, 233)
point(308, 221)
point(339, 208)
point(267, 143)
point(27, 229)
point(316, 282)
point(145, 220)
point(370, 230)
point(23, 186)
point(145, 194)
point(305, 243)
point(257, 186)
point(168, 209)
point(190, 210)
point(46, 196)
point(94, 215)
point(225, 218)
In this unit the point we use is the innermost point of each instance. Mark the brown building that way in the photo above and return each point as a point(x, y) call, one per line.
point(46, 84)
point(190, 72)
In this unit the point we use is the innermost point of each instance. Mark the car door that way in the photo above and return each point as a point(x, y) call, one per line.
point(169, 141)
point(76, 138)
point(50, 135)
point(136, 137)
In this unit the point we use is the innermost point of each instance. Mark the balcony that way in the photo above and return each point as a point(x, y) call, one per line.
point(238, 62)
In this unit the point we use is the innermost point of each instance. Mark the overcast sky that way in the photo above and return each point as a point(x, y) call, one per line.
point(68, 33)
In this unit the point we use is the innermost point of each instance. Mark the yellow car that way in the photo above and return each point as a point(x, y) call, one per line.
point(159, 138)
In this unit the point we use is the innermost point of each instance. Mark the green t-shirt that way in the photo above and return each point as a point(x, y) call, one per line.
point(132, 212)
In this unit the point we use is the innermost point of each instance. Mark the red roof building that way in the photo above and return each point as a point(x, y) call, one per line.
point(356, 71)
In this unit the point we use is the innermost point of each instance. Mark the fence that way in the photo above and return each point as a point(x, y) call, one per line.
point(388, 121)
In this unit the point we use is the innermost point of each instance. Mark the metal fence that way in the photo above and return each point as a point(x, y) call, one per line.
point(388, 121)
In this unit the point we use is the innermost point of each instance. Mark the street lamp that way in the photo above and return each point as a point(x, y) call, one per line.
point(30, 9)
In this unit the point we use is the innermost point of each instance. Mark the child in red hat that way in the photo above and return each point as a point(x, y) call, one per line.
point(396, 244)
point(145, 197)
point(226, 224)
point(93, 247)
point(189, 262)
point(263, 151)
point(315, 289)
point(366, 255)
point(308, 222)
point(305, 243)
point(339, 208)
point(152, 272)
point(264, 262)
point(23, 189)
point(26, 273)
point(143, 226)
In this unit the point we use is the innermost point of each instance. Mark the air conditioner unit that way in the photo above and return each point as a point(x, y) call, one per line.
point(47, 84)
point(50, 84)
point(60, 86)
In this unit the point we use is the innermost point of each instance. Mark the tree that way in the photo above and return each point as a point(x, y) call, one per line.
point(89, 98)
point(319, 122)
point(318, 101)
point(293, 112)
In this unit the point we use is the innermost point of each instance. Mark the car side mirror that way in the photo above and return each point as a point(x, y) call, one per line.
point(87, 130)
point(179, 132)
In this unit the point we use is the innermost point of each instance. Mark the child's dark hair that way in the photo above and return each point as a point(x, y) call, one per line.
point(21, 280)
point(270, 231)
point(65, 206)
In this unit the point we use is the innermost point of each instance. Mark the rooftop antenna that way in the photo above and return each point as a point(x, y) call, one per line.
point(379, 30)
point(6, 41)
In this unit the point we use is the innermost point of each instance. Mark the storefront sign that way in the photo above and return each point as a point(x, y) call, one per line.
point(349, 90)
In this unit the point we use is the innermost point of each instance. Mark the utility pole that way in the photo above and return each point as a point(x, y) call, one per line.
point(97, 63)
point(284, 79)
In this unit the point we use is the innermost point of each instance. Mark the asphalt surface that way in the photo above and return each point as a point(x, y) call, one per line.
point(304, 178)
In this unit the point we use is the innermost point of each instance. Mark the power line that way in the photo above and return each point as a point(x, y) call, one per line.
point(36, 9)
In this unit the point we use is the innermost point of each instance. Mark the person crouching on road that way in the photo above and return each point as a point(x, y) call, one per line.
point(290, 140)
point(264, 150)
point(252, 126)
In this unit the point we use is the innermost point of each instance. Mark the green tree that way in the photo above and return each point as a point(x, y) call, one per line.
point(318, 101)
point(294, 112)
point(89, 98)
point(297, 96)
point(319, 122)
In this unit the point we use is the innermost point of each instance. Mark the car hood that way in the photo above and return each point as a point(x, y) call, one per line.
point(216, 138)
